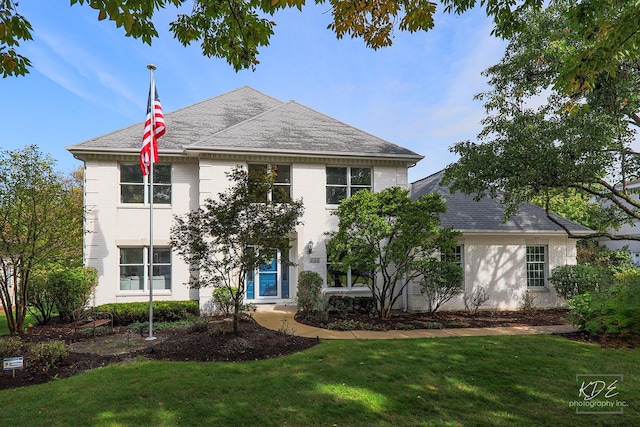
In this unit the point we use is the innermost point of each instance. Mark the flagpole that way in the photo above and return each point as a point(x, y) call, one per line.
point(152, 94)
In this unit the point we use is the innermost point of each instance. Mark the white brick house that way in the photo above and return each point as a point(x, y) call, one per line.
point(509, 257)
point(319, 159)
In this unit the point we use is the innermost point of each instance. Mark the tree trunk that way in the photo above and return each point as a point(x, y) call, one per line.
point(236, 317)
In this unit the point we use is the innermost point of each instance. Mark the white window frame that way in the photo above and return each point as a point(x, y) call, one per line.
point(536, 262)
point(274, 166)
point(145, 269)
point(350, 188)
point(146, 188)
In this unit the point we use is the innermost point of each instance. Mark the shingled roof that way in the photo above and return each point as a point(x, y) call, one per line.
point(248, 120)
point(486, 215)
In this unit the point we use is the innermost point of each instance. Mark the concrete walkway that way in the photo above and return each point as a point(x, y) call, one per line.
point(275, 316)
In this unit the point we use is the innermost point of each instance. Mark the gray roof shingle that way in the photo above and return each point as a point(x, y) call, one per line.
point(248, 120)
point(486, 215)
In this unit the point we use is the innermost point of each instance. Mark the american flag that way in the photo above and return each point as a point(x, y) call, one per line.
point(154, 128)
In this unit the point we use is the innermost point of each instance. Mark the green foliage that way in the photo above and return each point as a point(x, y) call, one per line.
point(232, 234)
point(546, 145)
point(440, 282)
point(312, 302)
point(392, 237)
point(613, 310)
point(236, 30)
point(49, 354)
point(572, 280)
point(224, 298)
point(163, 311)
point(616, 261)
point(41, 221)
point(573, 205)
point(71, 289)
point(10, 347)
point(41, 305)
point(14, 28)
point(349, 304)
point(528, 302)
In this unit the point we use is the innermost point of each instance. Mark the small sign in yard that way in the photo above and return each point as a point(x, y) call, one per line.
point(13, 363)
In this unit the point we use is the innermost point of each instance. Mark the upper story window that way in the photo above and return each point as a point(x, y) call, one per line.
point(536, 266)
point(280, 191)
point(343, 182)
point(134, 188)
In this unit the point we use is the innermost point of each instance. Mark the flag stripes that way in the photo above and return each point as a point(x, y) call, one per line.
point(154, 128)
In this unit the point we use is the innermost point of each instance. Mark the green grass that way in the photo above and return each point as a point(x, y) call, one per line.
point(510, 380)
point(4, 329)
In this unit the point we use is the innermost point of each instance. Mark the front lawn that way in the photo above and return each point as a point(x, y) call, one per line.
point(4, 328)
point(511, 380)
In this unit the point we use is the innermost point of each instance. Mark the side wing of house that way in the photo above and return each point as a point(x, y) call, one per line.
point(317, 158)
point(507, 258)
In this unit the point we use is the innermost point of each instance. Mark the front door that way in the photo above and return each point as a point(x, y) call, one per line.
point(267, 279)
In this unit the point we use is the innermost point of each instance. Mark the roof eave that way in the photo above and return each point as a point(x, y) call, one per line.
point(194, 150)
point(528, 232)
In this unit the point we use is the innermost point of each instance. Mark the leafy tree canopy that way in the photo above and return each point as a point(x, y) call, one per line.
point(41, 221)
point(392, 237)
point(236, 29)
point(233, 234)
point(539, 142)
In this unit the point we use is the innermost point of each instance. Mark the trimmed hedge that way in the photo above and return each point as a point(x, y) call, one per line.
point(163, 311)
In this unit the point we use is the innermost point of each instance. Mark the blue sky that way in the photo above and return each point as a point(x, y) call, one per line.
point(88, 79)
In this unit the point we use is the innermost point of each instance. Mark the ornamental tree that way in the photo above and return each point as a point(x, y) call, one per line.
point(539, 143)
point(40, 224)
point(395, 239)
point(235, 233)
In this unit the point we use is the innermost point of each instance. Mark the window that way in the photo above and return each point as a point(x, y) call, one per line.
point(343, 182)
point(280, 191)
point(133, 184)
point(348, 278)
point(134, 269)
point(456, 256)
point(536, 266)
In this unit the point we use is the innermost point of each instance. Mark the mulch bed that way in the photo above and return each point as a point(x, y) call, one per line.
point(217, 342)
point(439, 320)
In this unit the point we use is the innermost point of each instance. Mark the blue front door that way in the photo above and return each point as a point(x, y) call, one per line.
point(268, 279)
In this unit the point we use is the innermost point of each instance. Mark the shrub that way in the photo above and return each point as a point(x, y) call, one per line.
point(589, 252)
point(611, 311)
point(346, 304)
point(473, 300)
point(10, 347)
point(572, 280)
point(49, 354)
point(528, 302)
point(342, 325)
point(223, 298)
point(71, 289)
point(197, 324)
point(163, 311)
point(312, 302)
point(41, 304)
point(440, 284)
